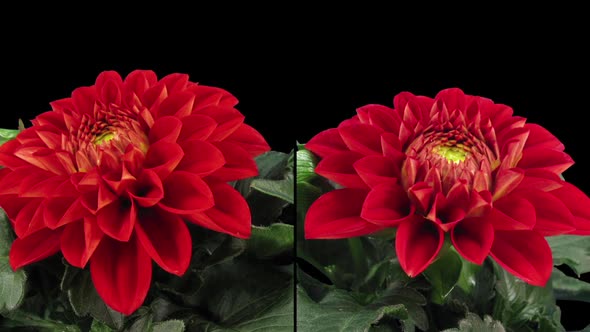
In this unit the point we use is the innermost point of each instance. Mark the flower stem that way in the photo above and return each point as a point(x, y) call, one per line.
point(358, 256)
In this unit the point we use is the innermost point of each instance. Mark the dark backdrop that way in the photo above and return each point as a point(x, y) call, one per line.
point(292, 90)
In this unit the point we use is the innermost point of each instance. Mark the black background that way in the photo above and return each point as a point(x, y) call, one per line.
point(292, 87)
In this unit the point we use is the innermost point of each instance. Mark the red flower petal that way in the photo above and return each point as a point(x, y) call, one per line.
point(34, 247)
point(338, 167)
point(166, 239)
point(386, 205)
point(117, 219)
point(63, 210)
point(148, 190)
point(228, 120)
point(230, 214)
point(541, 137)
point(375, 170)
point(249, 139)
point(553, 216)
point(578, 204)
point(473, 239)
point(166, 128)
point(201, 158)
point(417, 243)
point(540, 179)
point(238, 163)
point(186, 193)
point(336, 215)
point(138, 81)
point(163, 157)
point(121, 273)
point(79, 240)
point(30, 218)
point(361, 138)
point(506, 181)
point(178, 104)
point(212, 96)
point(197, 127)
point(512, 213)
point(326, 143)
point(525, 254)
point(543, 158)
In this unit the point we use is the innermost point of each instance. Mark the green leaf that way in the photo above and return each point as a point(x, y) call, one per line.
point(6, 234)
point(15, 320)
point(169, 326)
point(7, 134)
point(568, 288)
point(271, 165)
point(306, 162)
point(339, 311)
point(12, 286)
point(98, 326)
point(85, 300)
point(472, 323)
point(245, 295)
point(282, 189)
point(142, 324)
point(520, 306)
point(444, 274)
point(572, 250)
point(271, 241)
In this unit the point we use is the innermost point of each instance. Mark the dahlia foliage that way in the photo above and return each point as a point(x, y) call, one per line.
point(453, 173)
point(111, 176)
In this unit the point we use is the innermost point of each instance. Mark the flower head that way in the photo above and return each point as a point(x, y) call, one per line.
point(458, 165)
point(111, 174)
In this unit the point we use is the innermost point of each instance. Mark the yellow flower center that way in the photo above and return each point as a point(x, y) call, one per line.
point(453, 153)
point(104, 137)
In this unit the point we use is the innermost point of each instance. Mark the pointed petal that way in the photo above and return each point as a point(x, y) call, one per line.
point(249, 139)
point(231, 213)
point(578, 204)
point(512, 213)
point(200, 157)
point(228, 121)
point(336, 215)
point(186, 193)
point(117, 219)
point(417, 243)
point(375, 170)
point(238, 163)
point(506, 181)
point(326, 143)
point(166, 128)
point(79, 240)
point(338, 167)
point(540, 179)
point(473, 239)
point(30, 217)
point(121, 273)
point(34, 247)
point(525, 254)
point(148, 190)
point(197, 126)
point(362, 138)
point(166, 239)
point(553, 216)
point(541, 137)
point(163, 157)
point(386, 205)
point(178, 104)
point(543, 158)
point(63, 210)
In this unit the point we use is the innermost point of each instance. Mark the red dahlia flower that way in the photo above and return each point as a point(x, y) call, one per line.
point(458, 165)
point(111, 174)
